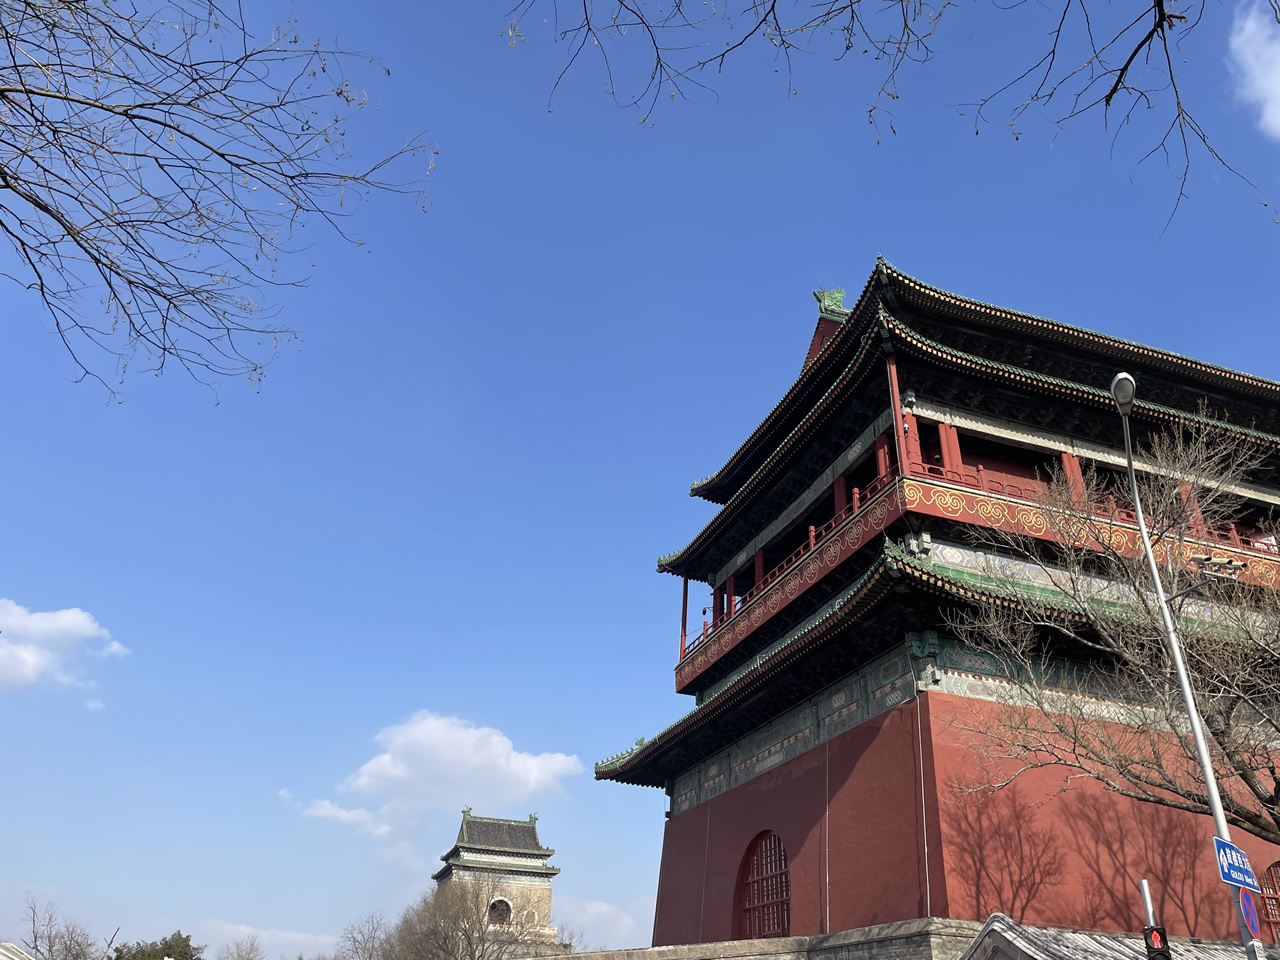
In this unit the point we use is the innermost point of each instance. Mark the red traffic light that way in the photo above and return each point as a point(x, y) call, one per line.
point(1157, 943)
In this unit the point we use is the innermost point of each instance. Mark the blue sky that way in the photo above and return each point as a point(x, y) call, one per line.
point(277, 639)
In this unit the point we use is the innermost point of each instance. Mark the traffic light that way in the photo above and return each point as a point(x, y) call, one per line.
point(1157, 943)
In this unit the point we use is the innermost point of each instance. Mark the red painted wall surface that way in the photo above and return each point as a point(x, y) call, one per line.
point(851, 817)
point(1074, 858)
point(872, 777)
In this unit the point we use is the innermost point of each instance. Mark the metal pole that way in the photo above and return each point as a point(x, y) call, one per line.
point(1184, 683)
point(1146, 904)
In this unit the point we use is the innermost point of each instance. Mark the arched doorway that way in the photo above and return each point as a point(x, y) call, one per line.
point(1269, 881)
point(764, 890)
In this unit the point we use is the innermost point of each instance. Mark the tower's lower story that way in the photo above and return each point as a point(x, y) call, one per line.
point(856, 805)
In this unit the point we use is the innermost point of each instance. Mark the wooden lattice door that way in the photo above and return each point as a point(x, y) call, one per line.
point(1270, 884)
point(765, 890)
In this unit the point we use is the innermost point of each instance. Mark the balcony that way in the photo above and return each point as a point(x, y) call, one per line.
point(869, 512)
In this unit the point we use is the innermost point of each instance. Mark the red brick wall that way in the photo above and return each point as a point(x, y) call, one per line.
point(1073, 859)
point(876, 874)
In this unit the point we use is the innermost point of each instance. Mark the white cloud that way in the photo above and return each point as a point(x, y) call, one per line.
point(370, 824)
point(37, 645)
point(431, 762)
point(113, 649)
point(94, 704)
point(1255, 60)
point(288, 942)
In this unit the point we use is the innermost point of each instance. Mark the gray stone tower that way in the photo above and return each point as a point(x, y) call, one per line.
point(507, 856)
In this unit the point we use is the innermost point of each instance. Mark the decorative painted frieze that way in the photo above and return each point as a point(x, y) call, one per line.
point(862, 695)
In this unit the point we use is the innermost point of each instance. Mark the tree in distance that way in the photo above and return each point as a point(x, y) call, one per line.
point(245, 948)
point(176, 946)
point(156, 161)
point(53, 937)
point(1125, 63)
point(364, 939)
point(460, 920)
point(1090, 687)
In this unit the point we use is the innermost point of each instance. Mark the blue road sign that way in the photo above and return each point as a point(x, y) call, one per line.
point(1249, 907)
point(1233, 865)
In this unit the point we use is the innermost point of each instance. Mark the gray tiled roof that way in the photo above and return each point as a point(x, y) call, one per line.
point(500, 834)
point(1002, 939)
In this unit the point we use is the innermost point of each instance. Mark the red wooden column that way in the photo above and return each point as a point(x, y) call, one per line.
point(731, 596)
point(717, 605)
point(1075, 479)
point(1187, 495)
point(895, 404)
point(882, 456)
point(684, 616)
point(949, 440)
point(911, 441)
point(759, 566)
point(842, 495)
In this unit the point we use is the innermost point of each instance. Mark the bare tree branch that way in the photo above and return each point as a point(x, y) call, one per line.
point(158, 158)
point(1088, 63)
point(1090, 690)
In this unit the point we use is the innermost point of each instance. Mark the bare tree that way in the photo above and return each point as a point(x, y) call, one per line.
point(470, 920)
point(365, 939)
point(1122, 62)
point(1091, 691)
point(53, 937)
point(573, 940)
point(245, 948)
point(156, 159)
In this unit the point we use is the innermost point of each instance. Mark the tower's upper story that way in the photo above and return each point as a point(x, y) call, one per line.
point(491, 847)
point(917, 403)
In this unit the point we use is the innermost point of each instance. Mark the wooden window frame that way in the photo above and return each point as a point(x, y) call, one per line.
point(764, 890)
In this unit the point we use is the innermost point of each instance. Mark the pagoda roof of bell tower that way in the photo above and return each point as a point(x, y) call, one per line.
point(490, 844)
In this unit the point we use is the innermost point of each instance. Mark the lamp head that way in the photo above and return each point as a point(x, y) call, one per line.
point(1123, 388)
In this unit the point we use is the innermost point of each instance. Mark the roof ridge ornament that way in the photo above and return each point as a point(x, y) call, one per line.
point(831, 301)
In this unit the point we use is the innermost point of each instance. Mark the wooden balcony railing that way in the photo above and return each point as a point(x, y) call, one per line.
point(857, 499)
point(978, 478)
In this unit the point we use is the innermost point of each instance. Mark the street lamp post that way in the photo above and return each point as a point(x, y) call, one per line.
point(1123, 388)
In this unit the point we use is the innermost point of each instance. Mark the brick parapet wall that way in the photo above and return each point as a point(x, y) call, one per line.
point(928, 939)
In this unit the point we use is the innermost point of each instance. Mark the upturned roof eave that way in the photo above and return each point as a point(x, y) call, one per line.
point(895, 562)
point(706, 488)
point(1081, 336)
point(1097, 396)
point(926, 295)
point(626, 767)
point(676, 562)
point(507, 868)
point(483, 849)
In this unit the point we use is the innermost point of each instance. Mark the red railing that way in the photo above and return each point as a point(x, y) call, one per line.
point(989, 481)
point(1227, 533)
point(857, 500)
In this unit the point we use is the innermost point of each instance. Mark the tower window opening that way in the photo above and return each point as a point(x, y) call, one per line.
point(764, 890)
point(1269, 881)
point(499, 912)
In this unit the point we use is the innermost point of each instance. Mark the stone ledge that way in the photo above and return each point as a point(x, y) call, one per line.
point(924, 939)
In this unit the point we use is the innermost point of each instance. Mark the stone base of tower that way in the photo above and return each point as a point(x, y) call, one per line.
point(931, 938)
